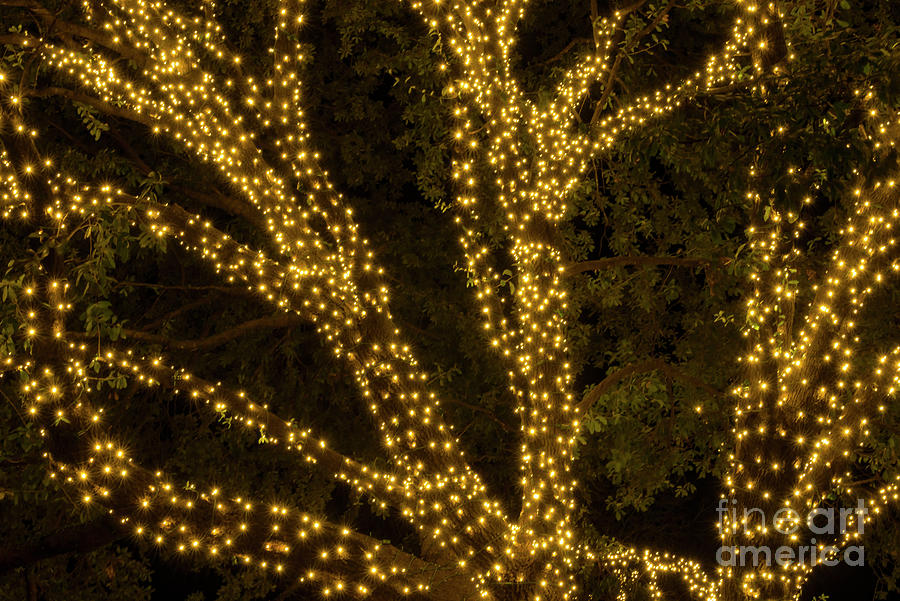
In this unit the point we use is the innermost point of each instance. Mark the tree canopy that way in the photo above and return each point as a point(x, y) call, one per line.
point(455, 300)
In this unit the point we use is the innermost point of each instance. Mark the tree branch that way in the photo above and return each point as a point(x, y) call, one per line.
point(607, 90)
point(617, 376)
point(562, 53)
point(190, 306)
point(595, 17)
point(215, 199)
point(483, 411)
point(626, 10)
point(738, 85)
point(606, 263)
point(210, 288)
point(259, 536)
point(101, 106)
point(280, 320)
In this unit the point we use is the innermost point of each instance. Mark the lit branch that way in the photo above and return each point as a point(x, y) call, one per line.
point(277, 538)
point(55, 26)
point(385, 488)
point(614, 69)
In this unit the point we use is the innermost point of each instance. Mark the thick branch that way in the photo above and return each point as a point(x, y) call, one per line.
point(635, 368)
point(196, 520)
